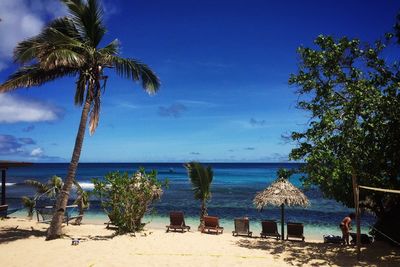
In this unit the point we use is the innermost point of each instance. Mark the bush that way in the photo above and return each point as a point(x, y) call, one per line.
point(126, 198)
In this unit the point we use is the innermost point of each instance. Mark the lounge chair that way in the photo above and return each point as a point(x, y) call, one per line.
point(45, 214)
point(295, 230)
point(211, 224)
point(269, 228)
point(242, 227)
point(177, 222)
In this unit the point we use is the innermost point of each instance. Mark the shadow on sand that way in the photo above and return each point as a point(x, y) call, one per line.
point(320, 254)
point(11, 234)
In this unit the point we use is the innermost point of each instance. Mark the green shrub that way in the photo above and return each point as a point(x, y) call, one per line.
point(126, 198)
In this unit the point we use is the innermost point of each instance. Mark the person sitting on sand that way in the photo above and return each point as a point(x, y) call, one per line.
point(345, 226)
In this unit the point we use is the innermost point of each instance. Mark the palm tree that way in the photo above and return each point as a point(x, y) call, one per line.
point(82, 200)
point(201, 178)
point(69, 46)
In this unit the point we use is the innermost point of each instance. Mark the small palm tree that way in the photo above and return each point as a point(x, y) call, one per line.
point(82, 200)
point(201, 178)
point(29, 204)
point(51, 189)
point(69, 46)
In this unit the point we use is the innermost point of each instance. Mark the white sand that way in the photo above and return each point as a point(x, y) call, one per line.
point(22, 243)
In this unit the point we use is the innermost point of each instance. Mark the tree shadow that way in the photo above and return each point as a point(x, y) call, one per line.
point(321, 254)
point(11, 234)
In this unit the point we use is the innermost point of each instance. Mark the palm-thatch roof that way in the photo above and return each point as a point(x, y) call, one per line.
point(280, 192)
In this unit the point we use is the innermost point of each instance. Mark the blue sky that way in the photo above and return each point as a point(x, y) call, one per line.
point(224, 67)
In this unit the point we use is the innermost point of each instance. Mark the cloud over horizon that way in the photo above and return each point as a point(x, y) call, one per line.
point(16, 109)
point(12, 146)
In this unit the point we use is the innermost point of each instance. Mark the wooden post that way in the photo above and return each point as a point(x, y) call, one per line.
point(282, 221)
point(358, 220)
point(3, 187)
point(357, 209)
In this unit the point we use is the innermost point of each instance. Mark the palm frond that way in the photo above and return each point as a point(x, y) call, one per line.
point(81, 85)
point(201, 178)
point(87, 17)
point(66, 26)
point(62, 58)
point(110, 49)
point(34, 75)
point(40, 187)
point(56, 181)
point(82, 199)
point(95, 111)
point(135, 70)
point(39, 46)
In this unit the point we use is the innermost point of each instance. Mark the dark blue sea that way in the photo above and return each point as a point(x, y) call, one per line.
point(233, 189)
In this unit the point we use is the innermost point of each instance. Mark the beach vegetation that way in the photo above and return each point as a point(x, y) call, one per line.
point(69, 46)
point(127, 198)
point(47, 194)
point(201, 178)
point(350, 90)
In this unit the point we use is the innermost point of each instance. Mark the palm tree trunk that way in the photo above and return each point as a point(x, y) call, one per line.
point(203, 213)
point(54, 230)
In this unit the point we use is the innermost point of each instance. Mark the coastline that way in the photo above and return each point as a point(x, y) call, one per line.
point(22, 243)
point(311, 232)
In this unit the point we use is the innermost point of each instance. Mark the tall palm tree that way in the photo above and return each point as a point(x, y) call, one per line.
point(69, 46)
point(201, 178)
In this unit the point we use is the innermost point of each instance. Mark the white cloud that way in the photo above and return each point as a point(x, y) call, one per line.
point(37, 152)
point(21, 19)
point(14, 109)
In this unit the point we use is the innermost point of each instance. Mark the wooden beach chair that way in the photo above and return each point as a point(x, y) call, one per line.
point(242, 227)
point(269, 228)
point(45, 214)
point(295, 230)
point(211, 225)
point(177, 222)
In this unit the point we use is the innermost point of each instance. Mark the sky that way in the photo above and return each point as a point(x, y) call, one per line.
point(224, 69)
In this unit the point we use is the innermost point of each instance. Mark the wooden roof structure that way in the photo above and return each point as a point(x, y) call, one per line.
point(4, 166)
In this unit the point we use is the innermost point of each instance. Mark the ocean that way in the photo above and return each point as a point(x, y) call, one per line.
point(233, 189)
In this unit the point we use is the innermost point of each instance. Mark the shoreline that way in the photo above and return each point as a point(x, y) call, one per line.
point(22, 243)
point(311, 232)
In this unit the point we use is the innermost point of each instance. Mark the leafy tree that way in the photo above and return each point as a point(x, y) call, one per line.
point(126, 198)
point(201, 178)
point(352, 96)
point(70, 46)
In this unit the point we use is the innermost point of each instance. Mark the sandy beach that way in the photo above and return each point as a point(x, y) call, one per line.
point(22, 243)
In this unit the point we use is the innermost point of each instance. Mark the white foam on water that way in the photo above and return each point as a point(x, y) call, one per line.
point(10, 184)
point(86, 185)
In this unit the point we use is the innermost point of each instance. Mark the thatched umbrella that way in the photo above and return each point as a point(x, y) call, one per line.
point(281, 193)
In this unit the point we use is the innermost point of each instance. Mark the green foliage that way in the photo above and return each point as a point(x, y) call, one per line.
point(284, 173)
point(126, 198)
point(352, 96)
point(29, 204)
point(201, 178)
point(50, 191)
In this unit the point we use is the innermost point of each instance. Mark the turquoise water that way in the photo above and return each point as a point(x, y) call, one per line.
point(233, 189)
